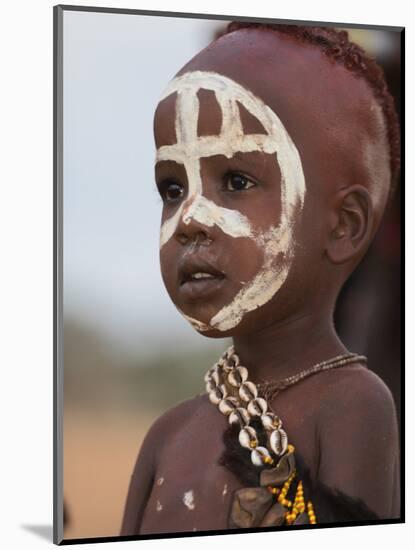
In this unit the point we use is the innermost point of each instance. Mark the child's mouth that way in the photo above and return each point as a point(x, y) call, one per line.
point(198, 278)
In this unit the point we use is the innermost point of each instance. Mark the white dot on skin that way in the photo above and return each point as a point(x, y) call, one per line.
point(160, 481)
point(225, 490)
point(159, 507)
point(188, 500)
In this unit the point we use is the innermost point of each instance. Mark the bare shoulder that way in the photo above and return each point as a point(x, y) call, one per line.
point(175, 417)
point(141, 480)
point(164, 427)
point(358, 439)
point(357, 391)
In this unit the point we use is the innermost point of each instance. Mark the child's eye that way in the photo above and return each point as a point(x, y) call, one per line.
point(170, 190)
point(237, 182)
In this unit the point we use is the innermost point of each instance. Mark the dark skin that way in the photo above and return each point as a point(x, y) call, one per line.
point(342, 422)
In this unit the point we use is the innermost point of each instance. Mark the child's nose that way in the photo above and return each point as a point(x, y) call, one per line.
point(195, 223)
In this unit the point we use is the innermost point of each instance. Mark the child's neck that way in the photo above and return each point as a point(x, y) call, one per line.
point(287, 347)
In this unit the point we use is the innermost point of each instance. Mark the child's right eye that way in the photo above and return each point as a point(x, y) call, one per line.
point(170, 190)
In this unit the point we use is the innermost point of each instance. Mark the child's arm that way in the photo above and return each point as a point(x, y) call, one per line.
point(359, 443)
point(141, 482)
point(145, 467)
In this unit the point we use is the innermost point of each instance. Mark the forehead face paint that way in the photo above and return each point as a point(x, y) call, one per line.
point(190, 148)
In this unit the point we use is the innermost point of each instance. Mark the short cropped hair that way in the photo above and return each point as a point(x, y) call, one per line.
point(337, 46)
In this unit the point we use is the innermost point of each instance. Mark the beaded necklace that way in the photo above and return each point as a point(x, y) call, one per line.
point(238, 398)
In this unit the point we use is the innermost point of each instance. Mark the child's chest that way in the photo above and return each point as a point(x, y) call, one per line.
point(191, 490)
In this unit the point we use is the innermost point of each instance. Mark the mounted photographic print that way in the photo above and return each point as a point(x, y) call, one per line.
point(227, 275)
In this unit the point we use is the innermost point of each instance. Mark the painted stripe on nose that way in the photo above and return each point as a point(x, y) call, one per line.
point(208, 213)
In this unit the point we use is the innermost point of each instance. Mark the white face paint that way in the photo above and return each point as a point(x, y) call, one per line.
point(190, 148)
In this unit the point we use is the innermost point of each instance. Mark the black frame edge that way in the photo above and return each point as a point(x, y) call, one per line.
point(225, 17)
point(57, 274)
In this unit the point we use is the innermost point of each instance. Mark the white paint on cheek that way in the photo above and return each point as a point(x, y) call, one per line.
point(225, 490)
point(198, 325)
point(169, 226)
point(160, 481)
point(159, 507)
point(276, 246)
point(188, 500)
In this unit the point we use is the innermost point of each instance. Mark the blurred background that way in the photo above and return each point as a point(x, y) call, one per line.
point(128, 354)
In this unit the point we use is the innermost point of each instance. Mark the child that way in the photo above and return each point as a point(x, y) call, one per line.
point(277, 152)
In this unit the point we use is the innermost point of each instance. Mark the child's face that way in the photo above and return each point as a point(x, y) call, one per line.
point(234, 190)
point(229, 200)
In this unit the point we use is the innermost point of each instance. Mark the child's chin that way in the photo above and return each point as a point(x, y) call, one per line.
point(214, 333)
point(205, 329)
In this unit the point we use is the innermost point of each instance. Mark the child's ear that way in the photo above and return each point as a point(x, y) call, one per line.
point(351, 224)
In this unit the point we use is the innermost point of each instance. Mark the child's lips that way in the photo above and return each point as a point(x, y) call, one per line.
point(198, 277)
point(195, 289)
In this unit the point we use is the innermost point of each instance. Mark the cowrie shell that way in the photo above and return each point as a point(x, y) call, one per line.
point(217, 394)
point(257, 406)
point(278, 441)
point(270, 421)
point(226, 406)
point(208, 375)
point(239, 416)
point(258, 455)
point(213, 373)
point(248, 391)
point(210, 385)
point(238, 376)
point(230, 351)
point(247, 436)
point(234, 359)
point(216, 377)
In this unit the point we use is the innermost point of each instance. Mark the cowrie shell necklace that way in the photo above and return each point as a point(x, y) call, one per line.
point(238, 398)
